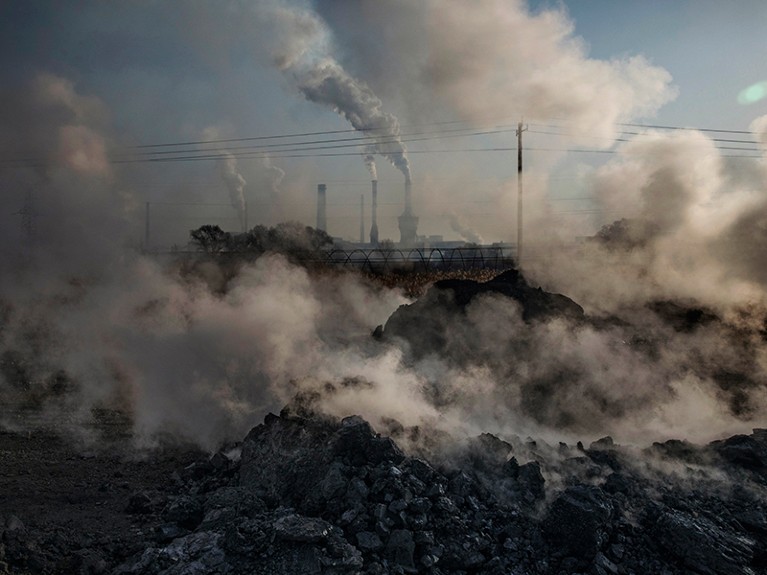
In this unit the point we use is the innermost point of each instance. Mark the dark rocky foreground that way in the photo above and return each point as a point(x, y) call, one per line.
point(310, 494)
point(305, 493)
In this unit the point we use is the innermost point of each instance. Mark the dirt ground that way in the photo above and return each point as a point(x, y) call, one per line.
point(72, 500)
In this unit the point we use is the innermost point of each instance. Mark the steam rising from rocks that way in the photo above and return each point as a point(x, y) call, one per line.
point(202, 351)
point(697, 236)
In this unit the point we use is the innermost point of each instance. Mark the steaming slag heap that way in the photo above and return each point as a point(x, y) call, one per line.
point(312, 494)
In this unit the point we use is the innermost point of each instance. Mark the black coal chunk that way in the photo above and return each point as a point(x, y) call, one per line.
point(703, 546)
point(578, 522)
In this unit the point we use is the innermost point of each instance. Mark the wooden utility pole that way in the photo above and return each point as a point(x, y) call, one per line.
point(520, 129)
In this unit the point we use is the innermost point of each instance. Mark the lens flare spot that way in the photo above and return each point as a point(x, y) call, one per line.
point(753, 93)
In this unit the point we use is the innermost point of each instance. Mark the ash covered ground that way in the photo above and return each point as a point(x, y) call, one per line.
point(418, 465)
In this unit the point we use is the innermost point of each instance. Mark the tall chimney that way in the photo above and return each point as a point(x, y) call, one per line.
point(362, 218)
point(322, 221)
point(408, 223)
point(374, 226)
point(408, 199)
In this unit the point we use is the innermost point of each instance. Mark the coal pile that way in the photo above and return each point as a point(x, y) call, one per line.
point(312, 494)
point(426, 321)
point(308, 493)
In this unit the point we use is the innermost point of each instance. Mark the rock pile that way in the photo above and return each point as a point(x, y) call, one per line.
point(426, 321)
point(314, 495)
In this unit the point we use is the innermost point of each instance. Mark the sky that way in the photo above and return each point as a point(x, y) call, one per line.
point(169, 72)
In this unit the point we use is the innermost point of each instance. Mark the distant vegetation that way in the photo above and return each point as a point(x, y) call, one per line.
point(292, 239)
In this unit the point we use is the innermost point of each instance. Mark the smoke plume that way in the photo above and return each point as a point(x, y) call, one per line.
point(491, 61)
point(230, 173)
point(457, 224)
point(303, 53)
point(370, 163)
point(236, 185)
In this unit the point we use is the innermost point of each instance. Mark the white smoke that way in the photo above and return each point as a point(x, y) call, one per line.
point(492, 61)
point(695, 235)
point(235, 183)
point(230, 173)
point(303, 52)
point(759, 128)
point(457, 224)
point(370, 163)
point(203, 351)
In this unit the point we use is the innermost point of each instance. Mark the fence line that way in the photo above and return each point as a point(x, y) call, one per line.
point(418, 259)
point(383, 260)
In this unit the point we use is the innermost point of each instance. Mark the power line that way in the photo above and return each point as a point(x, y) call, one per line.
point(255, 152)
point(363, 139)
point(295, 135)
point(658, 127)
point(373, 128)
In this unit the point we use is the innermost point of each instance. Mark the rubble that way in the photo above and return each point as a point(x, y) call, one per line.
point(425, 322)
point(315, 495)
point(307, 493)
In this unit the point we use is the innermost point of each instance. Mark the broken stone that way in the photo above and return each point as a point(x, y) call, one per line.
point(305, 529)
point(703, 546)
point(368, 541)
point(578, 521)
point(400, 548)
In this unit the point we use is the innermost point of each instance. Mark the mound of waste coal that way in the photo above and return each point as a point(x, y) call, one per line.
point(425, 320)
point(315, 495)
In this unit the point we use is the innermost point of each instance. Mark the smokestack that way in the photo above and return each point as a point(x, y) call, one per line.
point(322, 223)
point(362, 218)
point(408, 223)
point(374, 226)
point(408, 199)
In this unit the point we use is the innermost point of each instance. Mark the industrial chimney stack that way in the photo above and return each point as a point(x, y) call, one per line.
point(322, 223)
point(362, 218)
point(374, 226)
point(408, 223)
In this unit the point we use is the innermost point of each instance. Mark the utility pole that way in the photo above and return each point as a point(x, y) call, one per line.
point(520, 129)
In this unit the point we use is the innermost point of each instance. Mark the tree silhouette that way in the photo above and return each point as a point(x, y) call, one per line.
point(211, 239)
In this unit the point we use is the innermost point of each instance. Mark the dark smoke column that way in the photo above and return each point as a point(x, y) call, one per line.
point(374, 225)
point(408, 223)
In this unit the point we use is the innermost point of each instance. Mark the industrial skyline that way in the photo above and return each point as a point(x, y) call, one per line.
point(254, 104)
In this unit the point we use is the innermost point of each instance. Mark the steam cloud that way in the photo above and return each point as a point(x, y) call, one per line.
point(494, 59)
point(204, 352)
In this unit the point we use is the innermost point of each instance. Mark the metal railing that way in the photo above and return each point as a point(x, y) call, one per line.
point(418, 259)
